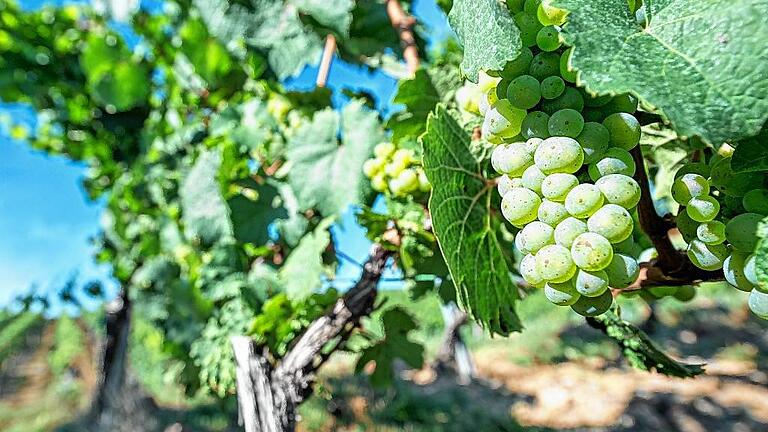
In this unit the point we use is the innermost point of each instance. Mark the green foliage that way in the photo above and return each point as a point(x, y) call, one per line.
point(420, 97)
point(14, 330)
point(68, 342)
point(750, 155)
point(461, 208)
point(303, 268)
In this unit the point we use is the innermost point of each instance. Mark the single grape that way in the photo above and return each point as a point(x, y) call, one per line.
point(703, 209)
point(612, 222)
point(371, 167)
point(518, 66)
point(394, 168)
point(571, 98)
point(535, 125)
point(624, 129)
point(561, 294)
point(711, 233)
point(689, 186)
point(568, 229)
point(506, 183)
point(524, 92)
point(503, 119)
point(555, 187)
point(520, 206)
point(515, 6)
point(593, 306)
point(404, 155)
point(486, 82)
point(733, 269)
point(555, 264)
point(501, 88)
point(468, 98)
point(594, 139)
point(511, 159)
point(685, 293)
point(529, 27)
point(566, 72)
point(583, 200)
point(591, 251)
point(591, 284)
point(594, 101)
point(379, 183)
point(629, 247)
point(534, 236)
point(707, 257)
point(552, 87)
point(688, 227)
point(532, 144)
point(384, 150)
point(532, 178)
point(624, 102)
point(550, 15)
point(408, 181)
point(529, 272)
point(741, 231)
point(424, 184)
point(559, 155)
point(566, 122)
point(544, 64)
point(699, 168)
point(619, 189)
point(750, 271)
point(756, 201)
point(552, 213)
point(613, 161)
point(548, 38)
point(758, 303)
point(622, 271)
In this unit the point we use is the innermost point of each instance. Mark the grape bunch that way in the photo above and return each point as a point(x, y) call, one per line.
point(566, 168)
point(718, 218)
point(396, 171)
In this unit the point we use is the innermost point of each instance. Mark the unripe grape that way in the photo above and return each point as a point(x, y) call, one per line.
point(518, 66)
point(555, 264)
point(566, 72)
point(594, 101)
point(405, 156)
point(379, 183)
point(712, 232)
point(622, 271)
point(532, 144)
point(555, 187)
point(688, 227)
point(583, 200)
point(520, 206)
point(532, 178)
point(407, 181)
point(707, 257)
point(544, 64)
point(468, 98)
point(594, 139)
point(511, 159)
point(559, 155)
point(758, 303)
point(612, 222)
point(561, 294)
point(548, 38)
point(552, 213)
point(567, 231)
point(394, 168)
point(591, 251)
point(424, 185)
point(624, 102)
point(741, 231)
point(535, 125)
point(529, 27)
point(628, 247)
point(529, 272)
point(624, 129)
point(552, 87)
point(750, 272)
point(613, 161)
point(733, 269)
point(756, 201)
point(566, 122)
point(531, 6)
point(685, 293)
point(550, 15)
point(571, 98)
point(384, 150)
point(506, 183)
point(534, 236)
point(371, 167)
point(619, 189)
point(524, 92)
point(486, 82)
point(591, 284)
point(703, 209)
point(593, 306)
point(689, 186)
point(503, 119)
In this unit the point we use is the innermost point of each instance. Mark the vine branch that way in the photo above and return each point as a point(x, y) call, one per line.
point(404, 23)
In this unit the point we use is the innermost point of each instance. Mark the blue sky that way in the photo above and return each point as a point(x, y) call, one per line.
point(46, 220)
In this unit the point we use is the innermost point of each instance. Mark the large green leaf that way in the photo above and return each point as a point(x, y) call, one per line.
point(204, 212)
point(334, 14)
point(461, 215)
point(701, 63)
point(301, 273)
point(325, 174)
point(488, 33)
point(419, 96)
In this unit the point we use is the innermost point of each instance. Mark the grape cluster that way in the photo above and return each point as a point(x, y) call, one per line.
point(718, 218)
point(566, 168)
point(396, 171)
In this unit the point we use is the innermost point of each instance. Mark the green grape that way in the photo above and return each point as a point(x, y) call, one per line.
point(622, 271)
point(688, 227)
point(612, 222)
point(555, 264)
point(566, 122)
point(520, 206)
point(384, 150)
point(630, 247)
point(613, 161)
point(486, 82)
point(518, 66)
point(394, 168)
point(689, 186)
point(544, 64)
point(535, 125)
point(591, 251)
point(408, 181)
point(593, 306)
point(515, 6)
point(532, 144)
point(750, 272)
point(624, 129)
point(619, 189)
point(524, 92)
point(707, 257)
point(531, 6)
point(552, 87)
point(548, 38)
point(424, 184)
point(503, 119)
point(583, 200)
point(529, 272)
point(555, 187)
point(559, 155)
point(532, 178)
point(703, 209)
point(371, 167)
point(756, 201)
point(529, 27)
point(591, 284)
point(594, 139)
point(685, 293)
point(565, 71)
point(379, 183)
point(552, 213)
point(568, 229)
point(758, 303)
point(511, 159)
point(506, 183)
point(534, 236)
point(699, 168)
point(501, 88)
point(733, 269)
point(571, 98)
point(659, 292)
point(550, 15)
point(596, 101)
point(624, 102)
point(561, 294)
point(404, 155)
point(711, 233)
point(741, 231)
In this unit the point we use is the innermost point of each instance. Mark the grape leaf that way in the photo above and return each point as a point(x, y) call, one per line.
point(461, 215)
point(251, 218)
point(488, 33)
point(325, 174)
point(300, 274)
point(700, 63)
point(419, 96)
point(751, 155)
point(334, 14)
point(204, 211)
